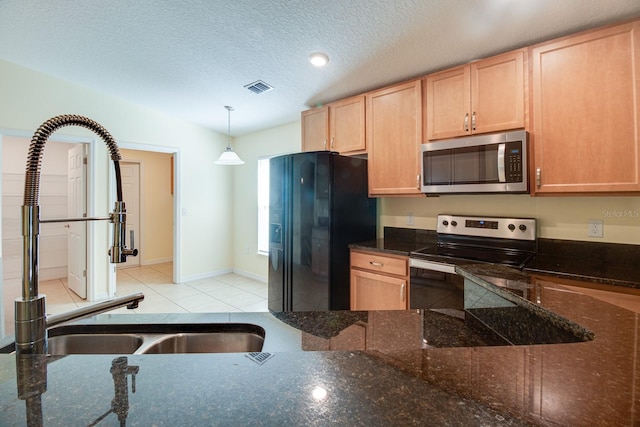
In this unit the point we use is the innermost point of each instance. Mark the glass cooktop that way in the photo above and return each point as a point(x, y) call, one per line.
point(458, 254)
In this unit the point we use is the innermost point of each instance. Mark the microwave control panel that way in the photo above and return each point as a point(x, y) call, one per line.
point(514, 161)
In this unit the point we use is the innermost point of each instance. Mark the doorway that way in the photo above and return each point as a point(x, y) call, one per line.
point(149, 197)
point(55, 187)
point(56, 192)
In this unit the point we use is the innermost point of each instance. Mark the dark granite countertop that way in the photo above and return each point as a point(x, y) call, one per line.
point(357, 368)
point(399, 241)
point(606, 263)
point(603, 263)
point(389, 246)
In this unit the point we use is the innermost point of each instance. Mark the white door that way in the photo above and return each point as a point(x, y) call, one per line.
point(77, 230)
point(130, 173)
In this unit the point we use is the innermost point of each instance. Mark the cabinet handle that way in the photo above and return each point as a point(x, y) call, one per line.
point(376, 264)
point(402, 294)
point(466, 123)
point(325, 143)
point(332, 138)
point(418, 181)
point(473, 121)
point(538, 177)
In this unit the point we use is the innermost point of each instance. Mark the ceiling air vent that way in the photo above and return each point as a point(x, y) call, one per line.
point(259, 87)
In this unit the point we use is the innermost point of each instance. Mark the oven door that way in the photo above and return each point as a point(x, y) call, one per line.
point(435, 286)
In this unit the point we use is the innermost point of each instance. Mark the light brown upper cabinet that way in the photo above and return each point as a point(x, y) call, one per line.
point(346, 125)
point(338, 126)
point(484, 96)
point(394, 135)
point(586, 112)
point(315, 129)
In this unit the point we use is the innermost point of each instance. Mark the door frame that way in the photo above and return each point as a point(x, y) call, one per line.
point(177, 204)
point(139, 235)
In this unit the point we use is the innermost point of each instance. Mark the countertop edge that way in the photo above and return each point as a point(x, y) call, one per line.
point(495, 272)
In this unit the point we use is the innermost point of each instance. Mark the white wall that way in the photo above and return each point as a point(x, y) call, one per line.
point(28, 98)
point(278, 140)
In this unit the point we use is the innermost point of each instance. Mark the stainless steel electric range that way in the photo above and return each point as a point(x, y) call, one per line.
point(464, 240)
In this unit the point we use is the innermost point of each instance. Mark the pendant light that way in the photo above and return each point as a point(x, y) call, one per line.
point(229, 157)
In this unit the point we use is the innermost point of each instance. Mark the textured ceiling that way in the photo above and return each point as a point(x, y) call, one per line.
point(191, 58)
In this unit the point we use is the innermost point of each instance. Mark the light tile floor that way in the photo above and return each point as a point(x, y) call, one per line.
point(227, 293)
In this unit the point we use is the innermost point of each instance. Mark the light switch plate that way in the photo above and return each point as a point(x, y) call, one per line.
point(595, 228)
point(410, 219)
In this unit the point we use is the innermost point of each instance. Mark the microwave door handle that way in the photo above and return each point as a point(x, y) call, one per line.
point(501, 167)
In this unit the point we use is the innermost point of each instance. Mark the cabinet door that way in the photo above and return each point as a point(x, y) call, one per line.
point(497, 93)
point(370, 291)
point(447, 103)
point(394, 135)
point(586, 104)
point(315, 129)
point(346, 124)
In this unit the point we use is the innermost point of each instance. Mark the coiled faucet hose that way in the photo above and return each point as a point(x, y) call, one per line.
point(36, 149)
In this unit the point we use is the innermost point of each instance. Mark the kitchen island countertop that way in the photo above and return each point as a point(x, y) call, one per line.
point(352, 368)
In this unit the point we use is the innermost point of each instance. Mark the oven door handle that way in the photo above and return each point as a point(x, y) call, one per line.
point(502, 177)
point(432, 265)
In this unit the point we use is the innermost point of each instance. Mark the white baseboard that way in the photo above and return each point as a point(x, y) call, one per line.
point(156, 261)
point(52, 273)
point(207, 275)
point(212, 274)
point(251, 275)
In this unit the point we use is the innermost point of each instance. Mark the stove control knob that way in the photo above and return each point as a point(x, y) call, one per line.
point(454, 223)
point(445, 222)
point(512, 227)
point(523, 227)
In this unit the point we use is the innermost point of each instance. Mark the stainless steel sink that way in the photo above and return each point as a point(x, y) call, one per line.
point(156, 338)
point(214, 342)
point(94, 344)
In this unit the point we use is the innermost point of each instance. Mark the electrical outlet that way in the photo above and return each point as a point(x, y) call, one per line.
point(410, 219)
point(595, 228)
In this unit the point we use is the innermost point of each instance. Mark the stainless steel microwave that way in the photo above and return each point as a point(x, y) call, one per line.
point(493, 163)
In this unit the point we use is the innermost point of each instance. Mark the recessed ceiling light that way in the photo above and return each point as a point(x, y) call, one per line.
point(318, 59)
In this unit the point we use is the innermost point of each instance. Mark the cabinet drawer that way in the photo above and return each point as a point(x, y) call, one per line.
point(379, 263)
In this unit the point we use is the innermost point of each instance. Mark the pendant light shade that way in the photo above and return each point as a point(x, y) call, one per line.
point(229, 157)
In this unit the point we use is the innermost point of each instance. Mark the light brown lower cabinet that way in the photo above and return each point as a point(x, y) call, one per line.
point(379, 282)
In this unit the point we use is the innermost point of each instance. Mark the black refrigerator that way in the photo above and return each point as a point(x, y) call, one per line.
point(318, 205)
